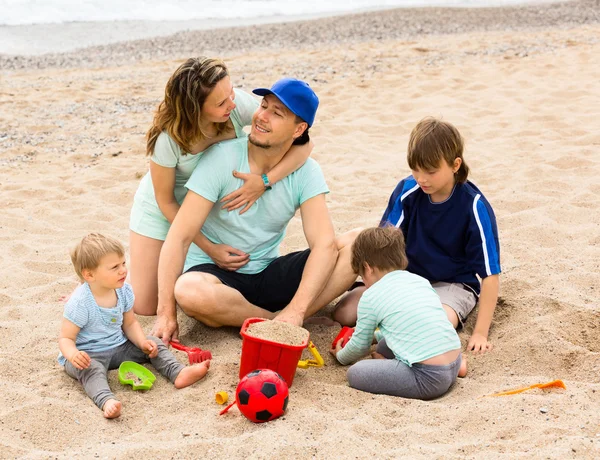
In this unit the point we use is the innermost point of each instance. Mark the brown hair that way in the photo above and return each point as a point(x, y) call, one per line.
point(179, 112)
point(380, 247)
point(432, 141)
point(88, 252)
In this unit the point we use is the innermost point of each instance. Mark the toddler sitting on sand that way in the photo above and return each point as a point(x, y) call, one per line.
point(99, 330)
point(418, 352)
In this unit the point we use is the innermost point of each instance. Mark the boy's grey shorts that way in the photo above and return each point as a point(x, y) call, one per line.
point(461, 299)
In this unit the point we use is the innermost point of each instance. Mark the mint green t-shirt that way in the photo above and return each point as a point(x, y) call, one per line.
point(260, 230)
point(410, 317)
point(168, 154)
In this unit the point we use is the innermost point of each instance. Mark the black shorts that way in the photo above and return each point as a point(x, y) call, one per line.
point(271, 289)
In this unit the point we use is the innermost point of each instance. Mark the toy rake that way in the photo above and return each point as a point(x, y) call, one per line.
point(195, 354)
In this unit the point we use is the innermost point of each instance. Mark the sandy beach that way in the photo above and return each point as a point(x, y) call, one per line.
point(521, 84)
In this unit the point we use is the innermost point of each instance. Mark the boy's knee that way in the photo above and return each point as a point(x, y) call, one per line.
point(345, 315)
point(452, 315)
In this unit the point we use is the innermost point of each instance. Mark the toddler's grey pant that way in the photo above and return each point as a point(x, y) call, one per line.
point(94, 378)
point(392, 377)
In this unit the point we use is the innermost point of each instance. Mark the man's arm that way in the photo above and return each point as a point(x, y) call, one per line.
point(186, 226)
point(320, 236)
point(478, 342)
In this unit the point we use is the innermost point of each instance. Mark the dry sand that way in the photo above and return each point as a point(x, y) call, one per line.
point(528, 103)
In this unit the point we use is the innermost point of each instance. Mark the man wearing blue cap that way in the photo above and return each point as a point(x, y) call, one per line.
point(288, 288)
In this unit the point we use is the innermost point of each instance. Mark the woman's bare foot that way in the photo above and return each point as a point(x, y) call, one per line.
point(112, 408)
point(376, 355)
point(191, 374)
point(462, 371)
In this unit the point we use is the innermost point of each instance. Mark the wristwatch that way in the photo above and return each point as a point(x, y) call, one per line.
point(266, 182)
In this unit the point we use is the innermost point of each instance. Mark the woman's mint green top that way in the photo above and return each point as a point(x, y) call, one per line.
point(146, 217)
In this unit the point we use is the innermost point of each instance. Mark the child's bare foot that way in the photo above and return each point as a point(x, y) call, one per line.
point(462, 371)
point(191, 374)
point(376, 355)
point(112, 408)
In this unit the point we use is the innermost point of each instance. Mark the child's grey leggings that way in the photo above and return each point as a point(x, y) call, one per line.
point(94, 378)
point(392, 377)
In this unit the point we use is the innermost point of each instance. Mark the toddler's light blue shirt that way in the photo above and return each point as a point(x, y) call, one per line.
point(101, 328)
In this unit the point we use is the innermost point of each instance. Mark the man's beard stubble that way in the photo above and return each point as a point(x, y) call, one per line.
point(253, 141)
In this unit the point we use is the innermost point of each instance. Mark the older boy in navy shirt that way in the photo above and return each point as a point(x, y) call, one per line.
point(449, 227)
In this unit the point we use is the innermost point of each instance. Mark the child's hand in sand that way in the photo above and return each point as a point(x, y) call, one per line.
point(338, 346)
point(81, 360)
point(478, 343)
point(150, 348)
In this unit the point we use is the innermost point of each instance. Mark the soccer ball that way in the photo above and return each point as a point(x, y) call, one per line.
point(262, 395)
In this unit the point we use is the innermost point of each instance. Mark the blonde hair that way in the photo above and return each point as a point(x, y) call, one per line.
point(87, 253)
point(179, 112)
point(432, 141)
point(381, 247)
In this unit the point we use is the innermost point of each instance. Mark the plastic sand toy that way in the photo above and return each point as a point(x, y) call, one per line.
point(344, 336)
point(136, 375)
point(221, 397)
point(195, 354)
point(259, 353)
point(317, 362)
point(553, 384)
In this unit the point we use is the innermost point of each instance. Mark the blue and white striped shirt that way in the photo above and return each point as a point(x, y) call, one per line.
point(410, 317)
point(101, 328)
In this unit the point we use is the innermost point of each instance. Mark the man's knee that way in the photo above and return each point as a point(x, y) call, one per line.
point(346, 239)
point(194, 293)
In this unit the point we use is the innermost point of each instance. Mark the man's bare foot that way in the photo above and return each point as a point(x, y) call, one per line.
point(322, 320)
point(462, 371)
point(191, 374)
point(376, 355)
point(112, 408)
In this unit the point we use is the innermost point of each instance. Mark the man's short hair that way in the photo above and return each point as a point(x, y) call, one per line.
point(305, 138)
point(87, 253)
point(380, 247)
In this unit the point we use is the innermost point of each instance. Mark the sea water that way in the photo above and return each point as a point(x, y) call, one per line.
point(29, 27)
point(23, 12)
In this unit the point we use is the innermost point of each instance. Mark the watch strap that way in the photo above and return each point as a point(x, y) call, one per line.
point(266, 182)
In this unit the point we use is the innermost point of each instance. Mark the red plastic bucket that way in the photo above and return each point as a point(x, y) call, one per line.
point(264, 354)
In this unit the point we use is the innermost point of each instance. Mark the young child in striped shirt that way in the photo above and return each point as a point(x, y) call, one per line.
point(418, 353)
point(99, 330)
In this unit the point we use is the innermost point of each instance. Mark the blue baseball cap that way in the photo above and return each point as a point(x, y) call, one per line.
point(296, 95)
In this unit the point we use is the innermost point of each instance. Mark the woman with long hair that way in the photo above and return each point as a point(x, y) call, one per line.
point(200, 108)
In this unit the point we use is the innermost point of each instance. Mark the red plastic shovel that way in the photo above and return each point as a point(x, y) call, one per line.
point(195, 354)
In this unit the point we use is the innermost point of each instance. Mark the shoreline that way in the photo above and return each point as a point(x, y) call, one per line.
point(393, 24)
point(62, 37)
